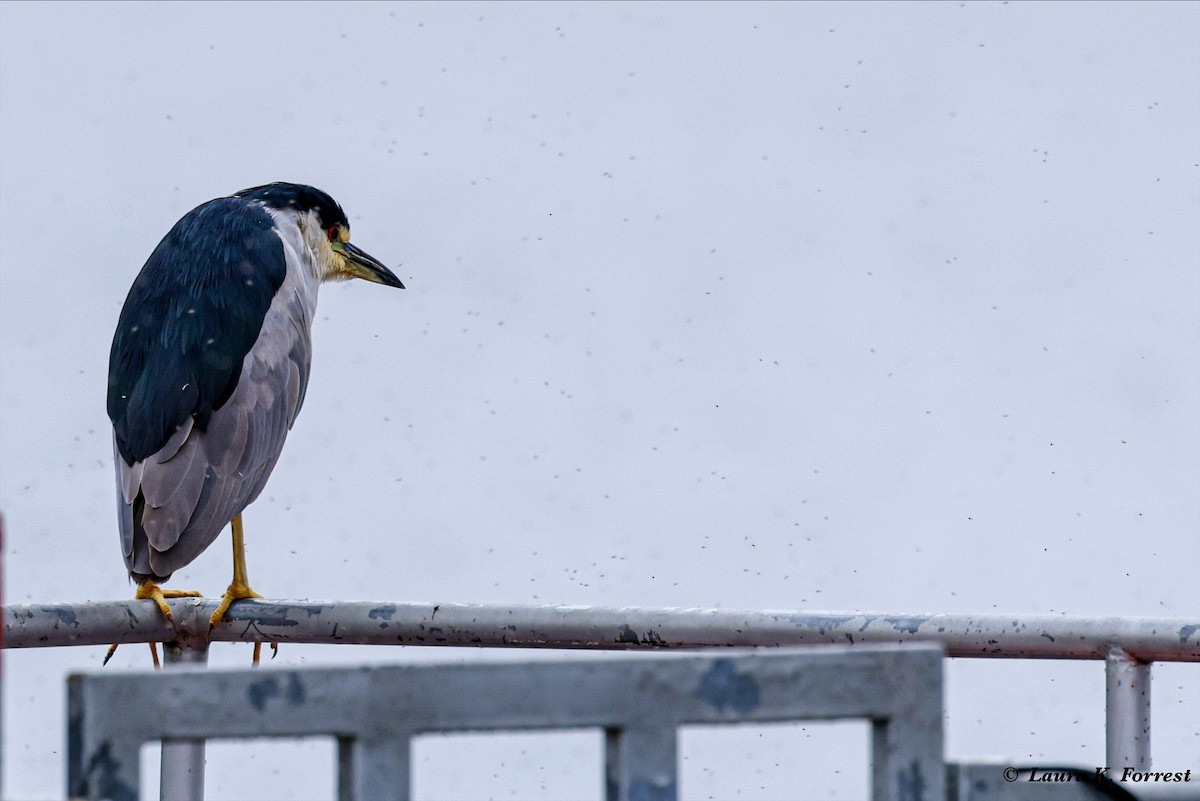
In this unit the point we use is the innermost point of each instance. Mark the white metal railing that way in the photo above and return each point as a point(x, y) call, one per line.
point(1127, 645)
point(597, 627)
point(639, 704)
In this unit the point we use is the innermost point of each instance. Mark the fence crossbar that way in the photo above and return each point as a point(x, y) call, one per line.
point(599, 627)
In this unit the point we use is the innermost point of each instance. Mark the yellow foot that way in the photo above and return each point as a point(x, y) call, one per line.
point(155, 593)
point(236, 592)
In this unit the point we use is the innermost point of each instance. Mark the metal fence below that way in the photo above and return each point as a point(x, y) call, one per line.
point(1128, 646)
point(639, 703)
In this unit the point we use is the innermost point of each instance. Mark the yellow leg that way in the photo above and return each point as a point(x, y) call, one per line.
point(239, 588)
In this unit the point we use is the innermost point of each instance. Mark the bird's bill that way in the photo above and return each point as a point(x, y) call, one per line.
point(363, 265)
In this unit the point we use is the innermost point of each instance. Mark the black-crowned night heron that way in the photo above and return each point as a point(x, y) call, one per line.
point(208, 369)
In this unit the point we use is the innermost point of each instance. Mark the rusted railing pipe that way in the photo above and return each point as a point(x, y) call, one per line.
point(596, 627)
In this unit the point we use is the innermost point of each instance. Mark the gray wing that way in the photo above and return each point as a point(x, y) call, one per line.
point(174, 503)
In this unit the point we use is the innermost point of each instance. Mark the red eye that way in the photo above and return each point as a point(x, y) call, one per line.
point(333, 234)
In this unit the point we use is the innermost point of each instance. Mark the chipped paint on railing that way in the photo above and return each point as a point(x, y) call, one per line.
point(597, 627)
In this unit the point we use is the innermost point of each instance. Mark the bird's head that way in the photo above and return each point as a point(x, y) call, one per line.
point(325, 230)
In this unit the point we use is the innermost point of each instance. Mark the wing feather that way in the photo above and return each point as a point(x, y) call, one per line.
point(175, 442)
point(129, 477)
point(171, 490)
point(217, 496)
point(226, 441)
point(126, 493)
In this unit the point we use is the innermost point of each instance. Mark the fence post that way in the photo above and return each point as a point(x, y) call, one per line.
point(640, 763)
point(1127, 711)
point(182, 774)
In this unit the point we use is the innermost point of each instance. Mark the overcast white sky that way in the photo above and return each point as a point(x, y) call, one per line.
point(808, 306)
